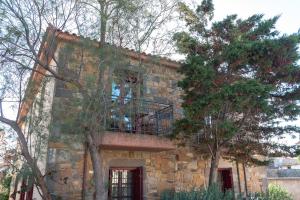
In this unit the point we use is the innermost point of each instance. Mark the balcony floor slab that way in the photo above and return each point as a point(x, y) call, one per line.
point(135, 142)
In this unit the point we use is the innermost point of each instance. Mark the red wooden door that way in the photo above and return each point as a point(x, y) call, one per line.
point(25, 193)
point(23, 188)
point(138, 183)
point(226, 179)
point(29, 194)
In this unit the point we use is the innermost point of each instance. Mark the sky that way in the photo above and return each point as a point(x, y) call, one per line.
point(289, 10)
point(289, 21)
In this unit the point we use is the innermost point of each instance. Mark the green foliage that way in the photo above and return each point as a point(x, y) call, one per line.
point(241, 78)
point(212, 193)
point(4, 196)
point(4, 187)
point(275, 192)
point(6, 181)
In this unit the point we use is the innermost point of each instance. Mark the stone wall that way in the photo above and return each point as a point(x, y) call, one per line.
point(159, 81)
point(179, 169)
point(176, 169)
point(36, 131)
point(256, 179)
point(65, 170)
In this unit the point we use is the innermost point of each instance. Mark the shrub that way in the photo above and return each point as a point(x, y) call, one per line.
point(275, 192)
point(211, 193)
point(4, 187)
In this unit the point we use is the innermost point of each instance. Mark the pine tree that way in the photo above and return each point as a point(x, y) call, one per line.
point(241, 80)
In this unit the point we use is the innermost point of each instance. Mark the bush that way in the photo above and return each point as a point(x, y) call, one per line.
point(211, 193)
point(275, 192)
point(4, 187)
point(4, 196)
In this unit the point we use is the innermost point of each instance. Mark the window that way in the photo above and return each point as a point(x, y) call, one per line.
point(125, 184)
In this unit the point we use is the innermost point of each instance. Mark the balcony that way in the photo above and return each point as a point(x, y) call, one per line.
point(139, 116)
point(136, 124)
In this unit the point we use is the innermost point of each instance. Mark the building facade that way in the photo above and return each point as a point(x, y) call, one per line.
point(139, 160)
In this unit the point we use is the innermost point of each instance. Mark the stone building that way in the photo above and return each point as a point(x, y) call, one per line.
point(139, 160)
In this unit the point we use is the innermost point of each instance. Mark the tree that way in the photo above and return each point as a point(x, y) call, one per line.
point(126, 24)
point(139, 24)
point(241, 80)
point(23, 26)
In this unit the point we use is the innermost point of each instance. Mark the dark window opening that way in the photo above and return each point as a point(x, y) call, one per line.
point(125, 184)
point(225, 179)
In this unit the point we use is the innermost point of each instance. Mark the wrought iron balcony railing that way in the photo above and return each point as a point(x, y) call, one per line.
point(139, 116)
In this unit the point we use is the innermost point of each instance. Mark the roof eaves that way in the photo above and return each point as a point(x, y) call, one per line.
point(64, 35)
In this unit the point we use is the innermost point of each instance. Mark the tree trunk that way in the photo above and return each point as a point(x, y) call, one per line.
point(214, 163)
point(238, 176)
point(41, 182)
point(39, 178)
point(100, 193)
point(245, 180)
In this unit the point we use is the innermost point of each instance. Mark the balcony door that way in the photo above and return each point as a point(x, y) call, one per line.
point(125, 92)
point(125, 184)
